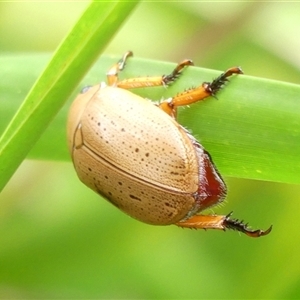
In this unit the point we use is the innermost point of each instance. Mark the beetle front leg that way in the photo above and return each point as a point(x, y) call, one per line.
point(112, 74)
point(221, 222)
point(193, 95)
point(150, 81)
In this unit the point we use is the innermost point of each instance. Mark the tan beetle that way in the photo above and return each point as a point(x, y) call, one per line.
point(135, 154)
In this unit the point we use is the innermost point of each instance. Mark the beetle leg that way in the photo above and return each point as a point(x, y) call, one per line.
point(112, 74)
point(199, 93)
point(221, 222)
point(150, 81)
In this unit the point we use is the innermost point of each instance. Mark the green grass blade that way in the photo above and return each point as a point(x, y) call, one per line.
point(73, 58)
point(251, 131)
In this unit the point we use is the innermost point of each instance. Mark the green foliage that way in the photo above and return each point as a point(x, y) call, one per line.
point(255, 120)
point(87, 39)
point(60, 240)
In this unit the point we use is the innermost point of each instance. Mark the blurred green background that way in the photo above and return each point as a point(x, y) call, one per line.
point(60, 240)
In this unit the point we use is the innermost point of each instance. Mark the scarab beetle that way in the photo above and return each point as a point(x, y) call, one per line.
point(134, 153)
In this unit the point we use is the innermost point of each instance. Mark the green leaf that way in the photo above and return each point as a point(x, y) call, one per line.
point(251, 131)
point(73, 58)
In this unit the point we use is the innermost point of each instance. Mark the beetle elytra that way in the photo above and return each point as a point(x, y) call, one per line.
point(134, 153)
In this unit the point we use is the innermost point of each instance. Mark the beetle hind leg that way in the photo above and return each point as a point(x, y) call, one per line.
point(222, 223)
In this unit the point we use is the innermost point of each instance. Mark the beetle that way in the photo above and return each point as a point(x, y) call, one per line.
point(135, 154)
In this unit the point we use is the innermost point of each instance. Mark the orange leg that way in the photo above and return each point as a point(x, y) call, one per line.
point(221, 222)
point(170, 105)
point(155, 80)
point(205, 90)
point(112, 75)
